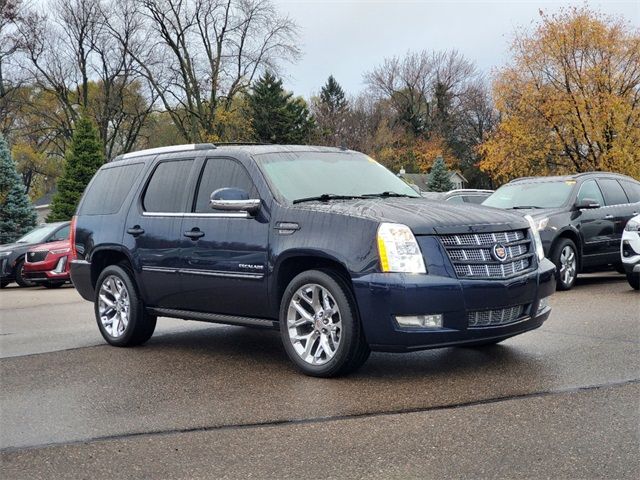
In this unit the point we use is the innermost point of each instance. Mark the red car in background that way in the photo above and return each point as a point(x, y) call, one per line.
point(48, 264)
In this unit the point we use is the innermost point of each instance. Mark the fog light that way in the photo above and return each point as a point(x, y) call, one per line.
point(544, 303)
point(420, 321)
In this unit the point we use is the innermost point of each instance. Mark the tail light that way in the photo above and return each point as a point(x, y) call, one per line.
point(72, 238)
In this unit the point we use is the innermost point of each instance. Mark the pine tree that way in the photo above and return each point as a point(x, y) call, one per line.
point(17, 215)
point(83, 159)
point(276, 117)
point(439, 180)
point(332, 98)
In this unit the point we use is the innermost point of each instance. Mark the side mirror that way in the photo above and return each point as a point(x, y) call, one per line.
point(586, 203)
point(234, 200)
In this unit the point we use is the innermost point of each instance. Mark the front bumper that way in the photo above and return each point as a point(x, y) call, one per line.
point(52, 269)
point(382, 297)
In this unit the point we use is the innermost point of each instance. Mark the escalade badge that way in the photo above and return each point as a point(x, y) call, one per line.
point(499, 252)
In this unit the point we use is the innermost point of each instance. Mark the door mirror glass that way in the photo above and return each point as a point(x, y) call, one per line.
point(234, 200)
point(587, 203)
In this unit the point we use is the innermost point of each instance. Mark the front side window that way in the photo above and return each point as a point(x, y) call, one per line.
point(222, 173)
point(590, 189)
point(299, 175)
point(62, 234)
point(166, 190)
point(527, 195)
point(613, 192)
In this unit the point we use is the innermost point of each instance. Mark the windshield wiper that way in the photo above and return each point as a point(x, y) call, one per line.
point(524, 207)
point(387, 195)
point(325, 197)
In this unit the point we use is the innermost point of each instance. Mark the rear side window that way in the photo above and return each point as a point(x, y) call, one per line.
point(222, 173)
point(632, 190)
point(165, 192)
point(590, 189)
point(455, 199)
point(109, 189)
point(613, 192)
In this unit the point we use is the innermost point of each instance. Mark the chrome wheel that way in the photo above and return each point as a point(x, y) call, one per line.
point(314, 324)
point(568, 265)
point(113, 306)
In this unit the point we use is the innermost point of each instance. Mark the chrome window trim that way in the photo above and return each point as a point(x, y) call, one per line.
point(194, 215)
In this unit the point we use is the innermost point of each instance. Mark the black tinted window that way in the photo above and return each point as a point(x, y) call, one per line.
point(109, 189)
point(455, 199)
point(632, 189)
point(222, 173)
point(477, 199)
point(590, 190)
point(62, 234)
point(166, 189)
point(613, 193)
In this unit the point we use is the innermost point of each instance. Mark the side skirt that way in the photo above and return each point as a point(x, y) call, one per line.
point(214, 318)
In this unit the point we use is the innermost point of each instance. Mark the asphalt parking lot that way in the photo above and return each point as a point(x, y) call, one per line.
point(209, 401)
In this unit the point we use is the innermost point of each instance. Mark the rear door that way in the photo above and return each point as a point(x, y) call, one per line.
point(618, 209)
point(224, 270)
point(152, 231)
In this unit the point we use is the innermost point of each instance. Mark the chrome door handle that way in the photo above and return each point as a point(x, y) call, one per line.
point(608, 217)
point(194, 234)
point(135, 231)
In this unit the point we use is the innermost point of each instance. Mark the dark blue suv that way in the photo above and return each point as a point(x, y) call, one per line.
point(323, 243)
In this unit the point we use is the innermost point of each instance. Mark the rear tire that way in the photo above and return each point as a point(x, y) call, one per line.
point(318, 309)
point(20, 280)
point(565, 258)
point(634, 280)
point(120, 313)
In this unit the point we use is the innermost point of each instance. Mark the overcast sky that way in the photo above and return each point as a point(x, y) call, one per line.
point(347, 38)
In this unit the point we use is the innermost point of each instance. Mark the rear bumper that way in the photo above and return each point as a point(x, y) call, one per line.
point(382, 297)
point(81, 279)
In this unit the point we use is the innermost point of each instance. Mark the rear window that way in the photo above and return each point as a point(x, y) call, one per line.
point(613, 193)
point(632, 189)
point(108, 189)
point(165, 192)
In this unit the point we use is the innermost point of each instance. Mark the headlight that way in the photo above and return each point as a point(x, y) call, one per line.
point(536, 237)
point(5, 254)
point(60, 250)
point(541, 223)
point(399, 250)
point(633, 226)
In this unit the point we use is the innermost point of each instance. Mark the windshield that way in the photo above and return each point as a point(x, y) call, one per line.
point(38, 234)
point(304, 175)
point(531, 195)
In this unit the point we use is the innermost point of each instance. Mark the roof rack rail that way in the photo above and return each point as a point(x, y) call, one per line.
point(169, 149)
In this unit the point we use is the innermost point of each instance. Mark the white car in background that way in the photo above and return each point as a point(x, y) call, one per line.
point(630, 251)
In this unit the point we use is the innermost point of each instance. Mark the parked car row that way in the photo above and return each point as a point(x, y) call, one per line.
point(41, 257)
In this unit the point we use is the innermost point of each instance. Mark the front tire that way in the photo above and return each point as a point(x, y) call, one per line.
point(565, 258)
point(319, 325)
point(52, 284)
point(20, 280)
point(120, 313)
point(634, 280)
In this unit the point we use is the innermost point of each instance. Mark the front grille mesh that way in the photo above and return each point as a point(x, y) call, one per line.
point(471, 254)
point(36, 256)
point(491, 318)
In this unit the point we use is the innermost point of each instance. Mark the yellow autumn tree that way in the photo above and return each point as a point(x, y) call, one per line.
point(570, 99)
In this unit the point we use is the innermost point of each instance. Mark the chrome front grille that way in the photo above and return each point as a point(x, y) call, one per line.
point(492, 318)
point(472, 257)
point(36, 256)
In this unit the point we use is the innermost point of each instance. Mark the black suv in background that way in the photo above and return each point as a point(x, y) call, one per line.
point(323, 243)
point(580, 217)
point(12, 254)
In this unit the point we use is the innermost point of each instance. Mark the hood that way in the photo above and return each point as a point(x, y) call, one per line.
point(15, 247)
point(424, 216)
point(46, 247)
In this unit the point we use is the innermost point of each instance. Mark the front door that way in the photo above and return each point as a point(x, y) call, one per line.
point(153, 232)
point(224, 262)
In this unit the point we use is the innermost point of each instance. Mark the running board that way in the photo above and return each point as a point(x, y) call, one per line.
point(213, 317)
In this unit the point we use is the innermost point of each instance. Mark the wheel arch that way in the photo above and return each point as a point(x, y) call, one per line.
point(574, 237)
point(107, 255)
point(295, 262)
